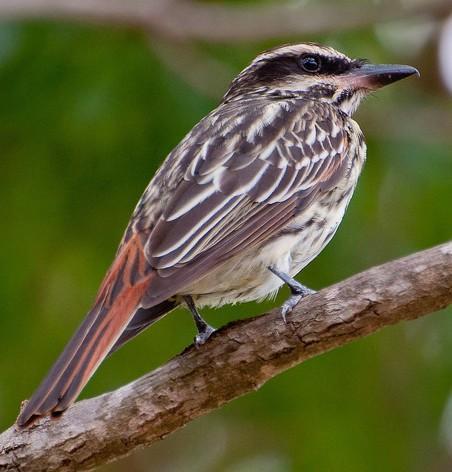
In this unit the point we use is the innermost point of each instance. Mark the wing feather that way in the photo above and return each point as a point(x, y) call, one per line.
point(251, 168)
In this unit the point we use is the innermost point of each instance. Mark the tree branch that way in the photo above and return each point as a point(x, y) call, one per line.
point(240, 358)
point(184, 19)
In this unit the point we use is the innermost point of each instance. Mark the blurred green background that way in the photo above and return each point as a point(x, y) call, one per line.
point(87, 114)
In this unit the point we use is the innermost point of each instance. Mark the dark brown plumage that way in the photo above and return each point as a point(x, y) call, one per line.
point(247, 199)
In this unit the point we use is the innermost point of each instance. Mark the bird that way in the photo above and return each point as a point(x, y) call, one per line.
point(248, 198)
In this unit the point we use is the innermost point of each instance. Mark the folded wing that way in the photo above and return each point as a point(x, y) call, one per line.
point(251, 170)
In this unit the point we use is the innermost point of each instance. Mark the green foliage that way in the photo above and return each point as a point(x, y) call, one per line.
point(86, 116)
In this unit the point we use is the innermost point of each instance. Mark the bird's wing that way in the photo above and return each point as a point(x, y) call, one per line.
point(251, 169)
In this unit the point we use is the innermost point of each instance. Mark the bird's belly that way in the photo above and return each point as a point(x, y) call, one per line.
point(246, 277)
point(315, 230)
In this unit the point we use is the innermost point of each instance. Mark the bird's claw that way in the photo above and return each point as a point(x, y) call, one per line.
point(289, 305)
point(298, 291)
point(204, 335)
point(297, 294)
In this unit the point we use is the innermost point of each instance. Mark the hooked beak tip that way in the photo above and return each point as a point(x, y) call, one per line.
point(374, 76)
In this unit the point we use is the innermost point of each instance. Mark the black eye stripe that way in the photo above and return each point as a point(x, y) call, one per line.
point(327, 64)
point(268, 71)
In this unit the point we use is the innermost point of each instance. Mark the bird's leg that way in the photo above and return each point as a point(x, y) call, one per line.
point(204, 329)
point(298, 290)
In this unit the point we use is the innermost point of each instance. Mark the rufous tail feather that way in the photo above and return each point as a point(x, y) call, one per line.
point(116, 304)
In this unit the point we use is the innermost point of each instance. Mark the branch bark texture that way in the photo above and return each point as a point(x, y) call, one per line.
point(238, 359)
point(185, 19)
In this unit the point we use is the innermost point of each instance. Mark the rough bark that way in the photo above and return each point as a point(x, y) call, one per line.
point(184, 19)
point(238, 359)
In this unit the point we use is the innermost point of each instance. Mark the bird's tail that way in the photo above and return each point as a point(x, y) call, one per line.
point(116, 304)
point(142, 319)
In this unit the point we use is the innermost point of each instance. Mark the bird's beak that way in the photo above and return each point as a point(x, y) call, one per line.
point(374, 76)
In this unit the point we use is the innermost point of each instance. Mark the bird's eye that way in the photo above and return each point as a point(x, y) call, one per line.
point(311, 64)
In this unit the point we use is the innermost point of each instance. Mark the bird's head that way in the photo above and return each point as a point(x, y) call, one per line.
point(316, 72)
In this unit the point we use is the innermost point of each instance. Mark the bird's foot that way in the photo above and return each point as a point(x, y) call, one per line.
point(204, 335)
point(298, 290)
point(204, 329)
point(289, 305)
